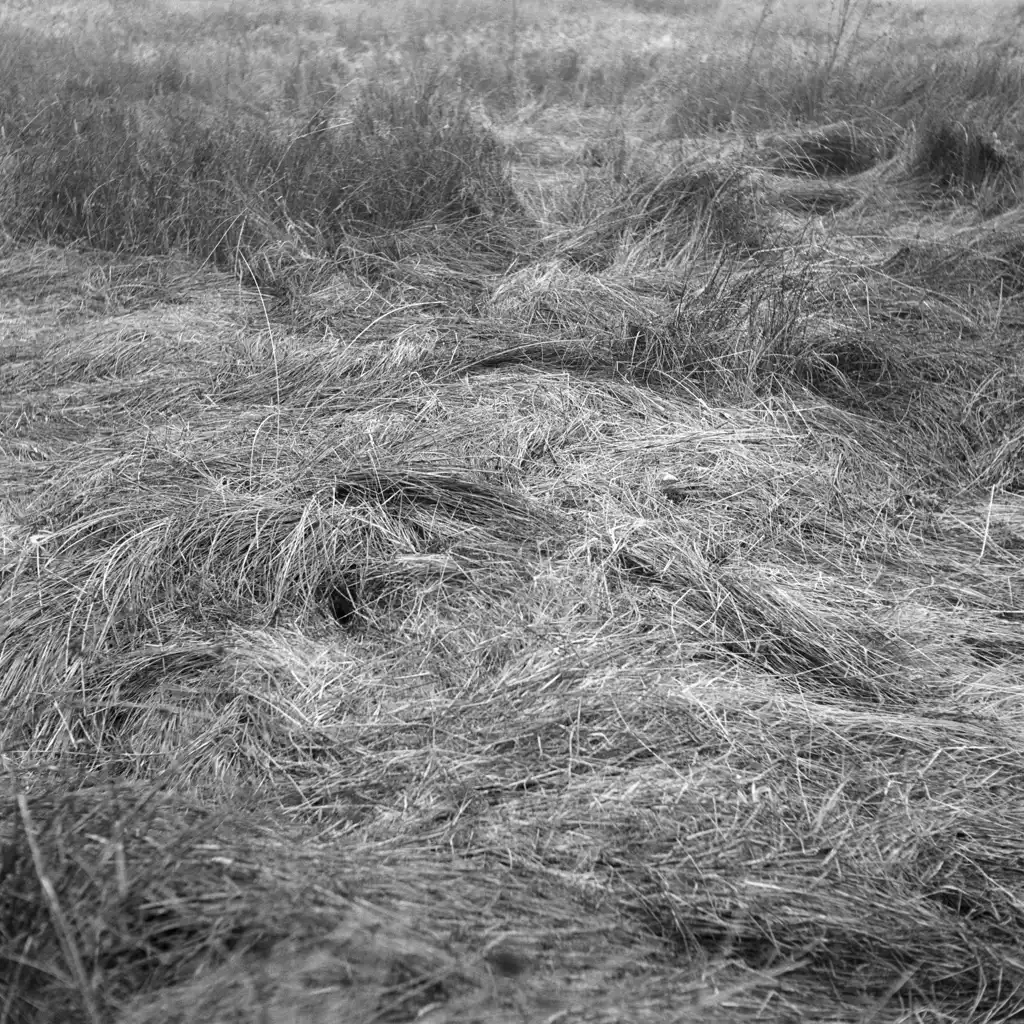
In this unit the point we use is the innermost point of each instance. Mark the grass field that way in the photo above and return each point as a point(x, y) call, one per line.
point(511, 512)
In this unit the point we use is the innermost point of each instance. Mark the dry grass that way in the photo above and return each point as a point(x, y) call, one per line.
point(511, 520)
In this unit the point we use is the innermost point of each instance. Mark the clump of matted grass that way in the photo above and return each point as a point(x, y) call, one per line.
point(692, 749)
point(572, 303)
point(228, 541)
point(682, 214)
point(306, 928)
point(131, 873)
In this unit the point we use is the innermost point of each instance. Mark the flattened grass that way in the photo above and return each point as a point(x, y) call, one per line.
point(583, 590)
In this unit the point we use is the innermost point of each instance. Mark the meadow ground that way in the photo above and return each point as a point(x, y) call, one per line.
point(511, 512)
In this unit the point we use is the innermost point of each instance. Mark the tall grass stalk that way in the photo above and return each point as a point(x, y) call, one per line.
point(747, 75)
point(513, 42)
point(845, 20)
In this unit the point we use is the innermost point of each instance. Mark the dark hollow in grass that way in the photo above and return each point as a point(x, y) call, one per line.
point(951, 154)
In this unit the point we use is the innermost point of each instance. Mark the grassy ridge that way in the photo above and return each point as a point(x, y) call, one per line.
point(510, 519)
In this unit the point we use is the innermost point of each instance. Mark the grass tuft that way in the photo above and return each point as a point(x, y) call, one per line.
point(954, 156)
point(172, 174)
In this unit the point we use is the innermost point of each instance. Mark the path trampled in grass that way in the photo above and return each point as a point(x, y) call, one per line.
point(586, 589)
